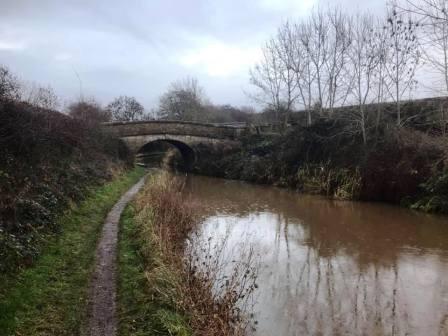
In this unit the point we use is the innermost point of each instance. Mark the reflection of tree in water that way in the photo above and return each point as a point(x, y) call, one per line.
point(341, 267)
point(331, 297)
point(371, 232)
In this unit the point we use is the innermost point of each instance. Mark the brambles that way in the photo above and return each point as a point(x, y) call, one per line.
point(48, 161)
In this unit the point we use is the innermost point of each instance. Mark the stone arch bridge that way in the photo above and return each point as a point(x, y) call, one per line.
point(187, 137)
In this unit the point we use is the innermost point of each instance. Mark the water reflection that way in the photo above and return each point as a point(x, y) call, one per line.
point(334, 268)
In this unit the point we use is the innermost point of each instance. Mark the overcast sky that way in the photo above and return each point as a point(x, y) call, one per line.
point(138, 48)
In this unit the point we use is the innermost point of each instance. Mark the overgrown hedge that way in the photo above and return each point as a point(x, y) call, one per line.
point(47, 161)
point(398, 165)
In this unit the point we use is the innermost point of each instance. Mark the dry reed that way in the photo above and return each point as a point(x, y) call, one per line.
point(188, 273)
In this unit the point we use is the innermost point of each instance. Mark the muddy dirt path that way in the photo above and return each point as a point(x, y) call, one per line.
point(102, 293)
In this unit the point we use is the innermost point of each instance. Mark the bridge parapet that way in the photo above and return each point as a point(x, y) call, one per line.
point(137, 128)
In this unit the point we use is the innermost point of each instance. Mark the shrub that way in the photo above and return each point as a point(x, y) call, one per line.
point(325, 158)
point(434, 197)
point(47, 161)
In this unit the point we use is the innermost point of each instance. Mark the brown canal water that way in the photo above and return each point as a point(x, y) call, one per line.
point(332, 267)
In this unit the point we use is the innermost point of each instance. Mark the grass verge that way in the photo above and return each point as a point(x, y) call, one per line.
point(140, 311)
point(166, 288)
point(50, 297)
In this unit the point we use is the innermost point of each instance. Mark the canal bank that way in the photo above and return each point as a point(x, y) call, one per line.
point(300, 264)
point(162, 287)
point(50, 297)
point(398, 165)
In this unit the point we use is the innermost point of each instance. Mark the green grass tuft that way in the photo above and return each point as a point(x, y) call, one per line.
point(141, 311)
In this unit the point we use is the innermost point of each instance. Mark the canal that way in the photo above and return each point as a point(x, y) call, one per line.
point(331, 267)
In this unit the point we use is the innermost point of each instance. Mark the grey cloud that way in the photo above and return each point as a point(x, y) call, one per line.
point(133, 47)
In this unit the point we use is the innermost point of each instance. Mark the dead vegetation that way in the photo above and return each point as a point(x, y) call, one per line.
point(193, 281)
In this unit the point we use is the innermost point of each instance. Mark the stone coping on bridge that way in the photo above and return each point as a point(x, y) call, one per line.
point(160, 127)
point(194, 123)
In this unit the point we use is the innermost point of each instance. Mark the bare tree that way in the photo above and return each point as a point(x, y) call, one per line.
point(125, 108)
point(433, 18)
point(286, 52)
point(403, 57)
point(381, 45)
point(317, 49)
point(339, 42)
point(184, 100)
point(9, 85)
point(318, 65)
point(43, 97)
point(434, 37)
point(364, 58)
point(434, 10)
point(305, 74)
point(268, 78)
point(286, 75)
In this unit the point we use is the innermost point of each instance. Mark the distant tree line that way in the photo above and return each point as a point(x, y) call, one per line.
point(184, 100)
point(333, 59)
point(317, 65)
point(122, 108)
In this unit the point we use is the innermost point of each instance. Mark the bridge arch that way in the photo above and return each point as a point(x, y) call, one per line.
point(188, 154)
